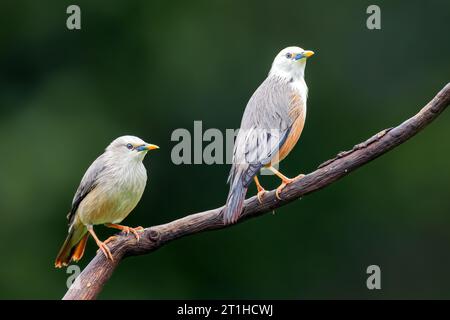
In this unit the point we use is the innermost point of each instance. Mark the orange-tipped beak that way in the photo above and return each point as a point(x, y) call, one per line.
point(151, 146)
point(308, 53)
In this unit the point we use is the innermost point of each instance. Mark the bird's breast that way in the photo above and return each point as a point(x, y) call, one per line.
point(297, 112)
point(113, 198)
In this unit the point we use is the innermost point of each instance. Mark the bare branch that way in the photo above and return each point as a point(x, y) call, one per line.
point(90, 282)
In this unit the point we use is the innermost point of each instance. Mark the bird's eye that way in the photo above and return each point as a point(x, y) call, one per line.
point(130, 146)
point(288, 55)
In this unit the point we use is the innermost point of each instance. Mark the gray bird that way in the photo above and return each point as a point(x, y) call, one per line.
point(110, 189)
point(271, 126)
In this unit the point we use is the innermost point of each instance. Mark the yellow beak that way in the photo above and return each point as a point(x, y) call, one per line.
point(308, 53)
point(151, 146)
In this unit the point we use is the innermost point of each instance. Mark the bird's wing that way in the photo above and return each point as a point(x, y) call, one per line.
point(88, 183)
point(264, 128)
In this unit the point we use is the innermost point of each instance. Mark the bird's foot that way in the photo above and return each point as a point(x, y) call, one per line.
point(112, 238)
point(260, 195)
point(282, 186)
point(134, 231)
point(126, 229)
point(261, 190)
point(104, 248)
point(285, 182)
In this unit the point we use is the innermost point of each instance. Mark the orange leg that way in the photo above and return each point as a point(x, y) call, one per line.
point(261, 190)
point(285, 180)
point(126, 229)
point(100, 244)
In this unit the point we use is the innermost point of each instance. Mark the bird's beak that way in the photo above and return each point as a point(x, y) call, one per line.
point(304, 54)
point(150, 146)
point(147, 147)
point(308, 53)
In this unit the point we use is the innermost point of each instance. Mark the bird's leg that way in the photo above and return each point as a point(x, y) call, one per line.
point(100, 244)
point(261, 190)
point(285, 180)
point(126, 229)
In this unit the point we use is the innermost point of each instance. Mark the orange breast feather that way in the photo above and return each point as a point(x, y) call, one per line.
point(297, 113)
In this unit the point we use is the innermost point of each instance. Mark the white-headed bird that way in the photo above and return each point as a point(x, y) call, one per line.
point(271, 126)
point(110, 189)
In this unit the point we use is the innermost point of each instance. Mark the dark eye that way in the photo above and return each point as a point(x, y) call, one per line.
point(288, 55)
point(130, 146)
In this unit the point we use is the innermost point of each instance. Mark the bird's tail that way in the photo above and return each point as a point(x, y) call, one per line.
point(73, 247)
point(239, 179)
point(235, 201)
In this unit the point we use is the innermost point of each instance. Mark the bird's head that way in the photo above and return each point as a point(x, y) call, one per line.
point(129, 148)
point(290, 62)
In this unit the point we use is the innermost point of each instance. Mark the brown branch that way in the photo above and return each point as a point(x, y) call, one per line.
point(90, 282)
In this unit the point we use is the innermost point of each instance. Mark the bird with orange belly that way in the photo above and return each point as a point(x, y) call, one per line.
point(270, 128)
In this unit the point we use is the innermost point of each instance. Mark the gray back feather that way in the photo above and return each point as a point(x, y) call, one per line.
point(264, 128)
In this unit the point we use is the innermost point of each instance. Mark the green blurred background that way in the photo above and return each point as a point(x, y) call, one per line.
point(148, 67)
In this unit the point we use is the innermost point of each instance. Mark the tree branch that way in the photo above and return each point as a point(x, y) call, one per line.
point(90, 282)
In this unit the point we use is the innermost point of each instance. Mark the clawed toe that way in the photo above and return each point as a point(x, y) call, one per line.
point(260, 195)
point(282, 186)
point(104, 248)
point(135, 232)
point(261, 190)
point(112, 238)
point(285, 183)
point(279, 189)
point(126, 229)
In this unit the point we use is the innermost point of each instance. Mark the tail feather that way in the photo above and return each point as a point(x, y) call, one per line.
point(79, 249)
point(235, 202)
point(73, 247)
point(239, 179)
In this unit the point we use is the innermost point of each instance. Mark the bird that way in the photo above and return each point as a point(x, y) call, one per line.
point(109, 190)
point(272, 123)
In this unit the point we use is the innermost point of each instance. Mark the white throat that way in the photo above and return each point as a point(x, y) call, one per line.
point(294, 78)
point(292, 75)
